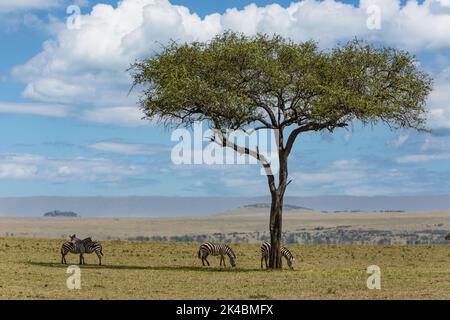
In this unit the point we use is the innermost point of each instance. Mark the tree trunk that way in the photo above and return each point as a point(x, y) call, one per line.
point(276, 210)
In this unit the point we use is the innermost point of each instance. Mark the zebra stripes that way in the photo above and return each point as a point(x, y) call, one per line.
point(216, 249)
point(65, 249)
point(72, 248)
point(265, 254)
point(81, 247)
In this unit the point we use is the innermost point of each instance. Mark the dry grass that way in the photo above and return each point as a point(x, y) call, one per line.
point(31, 269)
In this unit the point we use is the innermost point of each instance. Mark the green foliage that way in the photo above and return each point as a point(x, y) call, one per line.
point(235, 81)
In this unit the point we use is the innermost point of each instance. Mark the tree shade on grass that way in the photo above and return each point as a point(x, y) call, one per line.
point(269, 82)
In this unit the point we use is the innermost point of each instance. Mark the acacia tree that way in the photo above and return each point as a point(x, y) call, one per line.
point(269, 82)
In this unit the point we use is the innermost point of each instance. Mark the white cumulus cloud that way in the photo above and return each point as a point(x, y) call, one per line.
point(439, 101)
point(50, 110)
point(415, 158)
point(127, 148)
point(125, 116)
point(97, 169)
point(10, 170)
point(88, 65)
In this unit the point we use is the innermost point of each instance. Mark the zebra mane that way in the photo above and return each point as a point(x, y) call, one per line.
point(84, 241)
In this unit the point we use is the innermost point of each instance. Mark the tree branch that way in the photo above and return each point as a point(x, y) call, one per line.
point(244, 150)
point(271, 115)
point(293, 136)
point(330, 125)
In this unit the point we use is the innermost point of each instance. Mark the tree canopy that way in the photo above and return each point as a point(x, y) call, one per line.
point(234, 81)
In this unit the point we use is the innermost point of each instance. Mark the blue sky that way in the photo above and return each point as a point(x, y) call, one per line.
point(68, 127)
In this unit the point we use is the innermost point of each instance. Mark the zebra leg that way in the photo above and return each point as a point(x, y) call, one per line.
point(224, 264)
point(265, 259)
point(99, 259)
point(207, 261)
point(262, 258)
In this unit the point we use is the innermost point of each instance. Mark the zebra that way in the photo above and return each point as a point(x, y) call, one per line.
point(216, 249)
point(87, 246)
point(265, 254)
point(81, 247)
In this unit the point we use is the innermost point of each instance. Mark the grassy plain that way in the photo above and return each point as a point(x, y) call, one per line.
point(30, 269)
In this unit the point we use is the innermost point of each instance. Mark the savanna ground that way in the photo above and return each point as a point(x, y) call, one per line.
point(30, 269)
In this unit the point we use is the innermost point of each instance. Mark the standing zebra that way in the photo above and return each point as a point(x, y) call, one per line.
point(265, 254)
point(216, 249)
point(81, 247)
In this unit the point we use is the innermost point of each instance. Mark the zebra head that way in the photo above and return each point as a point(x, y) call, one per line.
point(233, 259)
point(73, 237)
point(290, 263)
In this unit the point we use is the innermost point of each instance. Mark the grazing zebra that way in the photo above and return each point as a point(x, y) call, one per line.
point(265, 254)
point(216, 249)
point(81, 247)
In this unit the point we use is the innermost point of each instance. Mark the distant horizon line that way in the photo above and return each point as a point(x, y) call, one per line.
point(214, 196)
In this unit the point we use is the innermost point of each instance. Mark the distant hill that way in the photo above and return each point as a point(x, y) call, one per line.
point(262, 209)
point(267, 206)
point(57, 213)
